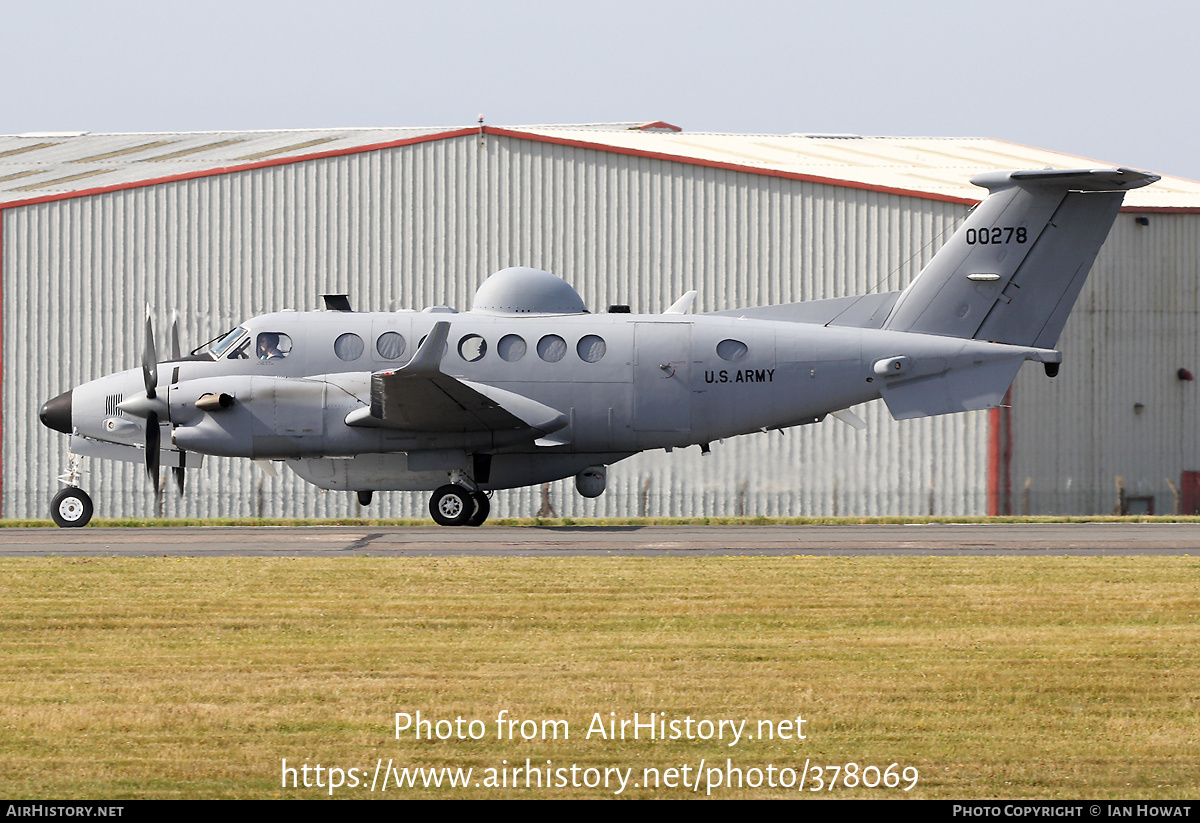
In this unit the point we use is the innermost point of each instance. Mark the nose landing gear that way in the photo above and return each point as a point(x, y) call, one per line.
point(71, 507)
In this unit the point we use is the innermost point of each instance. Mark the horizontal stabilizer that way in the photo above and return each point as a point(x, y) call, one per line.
point(1105, 179)
point(982, 387)
point(931, 375)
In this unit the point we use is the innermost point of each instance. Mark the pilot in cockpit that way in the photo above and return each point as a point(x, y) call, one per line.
point(268, 347)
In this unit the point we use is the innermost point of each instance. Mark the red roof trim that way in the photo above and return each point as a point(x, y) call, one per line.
point(716, 164)
point(1159, 209)
point(540, 138)
point(279, 161)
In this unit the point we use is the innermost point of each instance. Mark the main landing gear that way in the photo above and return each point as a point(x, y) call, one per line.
point(451, 505)
point(454, 505)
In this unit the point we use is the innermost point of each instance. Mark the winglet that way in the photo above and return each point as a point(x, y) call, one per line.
point(428, 358)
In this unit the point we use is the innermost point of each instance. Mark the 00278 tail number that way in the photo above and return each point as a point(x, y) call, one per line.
point(996, 235)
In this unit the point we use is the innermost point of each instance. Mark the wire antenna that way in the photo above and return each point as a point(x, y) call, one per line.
point(936, 239)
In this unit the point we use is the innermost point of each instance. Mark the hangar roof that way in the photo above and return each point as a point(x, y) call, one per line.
point(41, 165)
point(51, 165)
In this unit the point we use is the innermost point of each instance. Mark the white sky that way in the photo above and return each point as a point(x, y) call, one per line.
point(1113, 81)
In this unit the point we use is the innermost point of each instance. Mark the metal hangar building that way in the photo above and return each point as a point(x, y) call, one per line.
point(222, 226)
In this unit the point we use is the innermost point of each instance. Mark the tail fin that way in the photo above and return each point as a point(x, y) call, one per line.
point(1012, 271)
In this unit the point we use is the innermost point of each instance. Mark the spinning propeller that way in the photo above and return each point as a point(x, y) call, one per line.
point(150, 374)
point(150, 406)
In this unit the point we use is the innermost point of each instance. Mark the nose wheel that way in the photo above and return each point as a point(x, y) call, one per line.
point(71, 508)
point(453, 505)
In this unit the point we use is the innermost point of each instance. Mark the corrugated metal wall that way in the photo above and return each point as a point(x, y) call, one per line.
point(425, 224)
point(1079, 440)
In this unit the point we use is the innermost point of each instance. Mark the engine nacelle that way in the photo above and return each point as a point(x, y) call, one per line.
point(263, 416)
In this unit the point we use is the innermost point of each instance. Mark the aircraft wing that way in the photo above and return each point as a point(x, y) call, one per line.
point(420, 397)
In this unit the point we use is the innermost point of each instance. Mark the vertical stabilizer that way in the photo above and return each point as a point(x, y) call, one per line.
point(1012, 271)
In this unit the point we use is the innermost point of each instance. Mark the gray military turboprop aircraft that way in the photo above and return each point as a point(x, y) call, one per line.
point(528, 387)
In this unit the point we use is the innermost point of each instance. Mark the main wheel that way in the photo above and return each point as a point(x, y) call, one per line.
point(483, 507)
point(71, 508)
point(451, 506)
point(364, 497)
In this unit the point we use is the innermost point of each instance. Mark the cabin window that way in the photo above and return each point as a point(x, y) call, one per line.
point(511, 347)
point(348, 346)
point(731, 350)
point(552, 348)
point(472, 348)
point(273, 345)
point(390, 345)
point(591, 348)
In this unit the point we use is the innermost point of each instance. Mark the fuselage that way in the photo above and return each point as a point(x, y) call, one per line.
point(624, 382)
point(621, 383)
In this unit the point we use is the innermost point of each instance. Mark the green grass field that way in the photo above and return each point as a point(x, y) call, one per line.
point(992, 677)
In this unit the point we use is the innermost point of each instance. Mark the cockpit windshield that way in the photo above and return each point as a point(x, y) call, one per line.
point(219, 345)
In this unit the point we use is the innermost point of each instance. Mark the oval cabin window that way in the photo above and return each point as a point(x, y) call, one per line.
point(731, 350)
point(390, 345)
point(348, 346)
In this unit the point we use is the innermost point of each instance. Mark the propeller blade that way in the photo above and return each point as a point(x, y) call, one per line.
point(175, 353)
point(153, 438)
point(179, 472)
point(150, 359)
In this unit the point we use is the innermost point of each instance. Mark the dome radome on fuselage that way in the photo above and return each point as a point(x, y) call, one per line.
point(522, 290)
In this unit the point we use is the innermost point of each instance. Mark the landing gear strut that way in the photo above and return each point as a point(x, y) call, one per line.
point(454, 505)
point(71, 507)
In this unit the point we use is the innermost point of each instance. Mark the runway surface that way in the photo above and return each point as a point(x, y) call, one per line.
point(1007, 539)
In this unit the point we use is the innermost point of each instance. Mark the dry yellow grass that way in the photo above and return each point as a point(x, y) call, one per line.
point(995, 677)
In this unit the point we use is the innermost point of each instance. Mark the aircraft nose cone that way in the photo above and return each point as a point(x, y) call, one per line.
point(56, 413)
